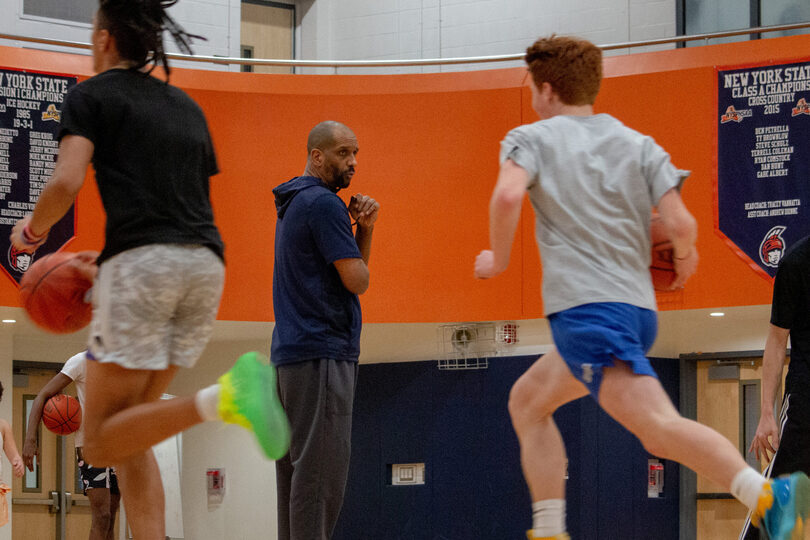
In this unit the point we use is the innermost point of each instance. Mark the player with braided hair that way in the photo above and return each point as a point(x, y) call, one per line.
point(138, 26)
point(161, 270)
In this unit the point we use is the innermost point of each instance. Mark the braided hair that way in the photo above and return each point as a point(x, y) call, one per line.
point(138, 25)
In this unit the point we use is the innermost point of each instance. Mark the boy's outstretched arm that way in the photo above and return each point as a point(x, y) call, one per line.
point(504, 215)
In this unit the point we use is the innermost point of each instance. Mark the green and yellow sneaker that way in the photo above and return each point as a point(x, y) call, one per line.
point(248, 397)
point(783, 507)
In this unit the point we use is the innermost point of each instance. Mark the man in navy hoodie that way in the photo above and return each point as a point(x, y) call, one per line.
point(320, 268)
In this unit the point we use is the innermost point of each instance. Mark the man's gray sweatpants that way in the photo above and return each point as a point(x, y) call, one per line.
point(311, 479)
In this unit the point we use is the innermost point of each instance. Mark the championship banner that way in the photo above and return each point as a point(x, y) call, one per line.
point(29, 122)
point(763, 161)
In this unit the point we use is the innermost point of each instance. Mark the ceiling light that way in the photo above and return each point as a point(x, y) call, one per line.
point(9, 321)
point(717, 314)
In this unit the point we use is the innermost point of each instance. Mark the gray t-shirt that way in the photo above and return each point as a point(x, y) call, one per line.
point(593, 185)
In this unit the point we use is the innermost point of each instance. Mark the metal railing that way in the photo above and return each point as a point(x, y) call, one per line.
point(423, 61)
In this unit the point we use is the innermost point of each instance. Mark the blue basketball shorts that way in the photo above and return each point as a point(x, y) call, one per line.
point(589, 337)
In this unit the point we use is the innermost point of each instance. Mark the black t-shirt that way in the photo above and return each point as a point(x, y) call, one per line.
point(153, 157)
point(791, 310)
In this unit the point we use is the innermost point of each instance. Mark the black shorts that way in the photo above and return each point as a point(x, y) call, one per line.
point(96, 477)
point(794, 440)
point(792, 454)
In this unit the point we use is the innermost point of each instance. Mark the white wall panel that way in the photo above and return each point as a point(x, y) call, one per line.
point(453, 28)
point(216, 20)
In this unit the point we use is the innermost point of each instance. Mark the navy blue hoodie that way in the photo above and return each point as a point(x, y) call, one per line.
point(316, 316)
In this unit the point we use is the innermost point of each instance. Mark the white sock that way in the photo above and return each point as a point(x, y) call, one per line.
point(548, 517)
point(747, 486)
point(206, 401)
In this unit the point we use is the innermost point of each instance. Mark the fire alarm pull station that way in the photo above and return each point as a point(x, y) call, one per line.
point(655, 478)
point(216, 486)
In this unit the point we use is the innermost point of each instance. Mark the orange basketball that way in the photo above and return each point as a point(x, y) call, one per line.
point(62, 414)
point(662, 267)
point(53, 292)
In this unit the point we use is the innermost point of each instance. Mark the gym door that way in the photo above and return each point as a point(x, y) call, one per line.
point(48, 502)
point(267, 31)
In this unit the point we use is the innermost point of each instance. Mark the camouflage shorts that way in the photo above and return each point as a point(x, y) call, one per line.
point(155, 306)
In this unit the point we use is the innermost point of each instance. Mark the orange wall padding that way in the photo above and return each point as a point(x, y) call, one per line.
point(429, 154)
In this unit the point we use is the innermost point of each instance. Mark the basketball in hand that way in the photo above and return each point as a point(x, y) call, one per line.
point(54, 289)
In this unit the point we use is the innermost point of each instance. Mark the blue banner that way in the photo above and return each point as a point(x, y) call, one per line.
point(29, 122)
point(763, 160)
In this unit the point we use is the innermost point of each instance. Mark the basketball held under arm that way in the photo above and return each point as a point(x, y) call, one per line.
point(354, 274)
point(53, 387)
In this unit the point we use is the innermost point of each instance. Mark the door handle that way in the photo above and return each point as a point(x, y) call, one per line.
point(53, 502)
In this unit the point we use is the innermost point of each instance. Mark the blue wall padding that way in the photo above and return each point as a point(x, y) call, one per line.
point(457, 423)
